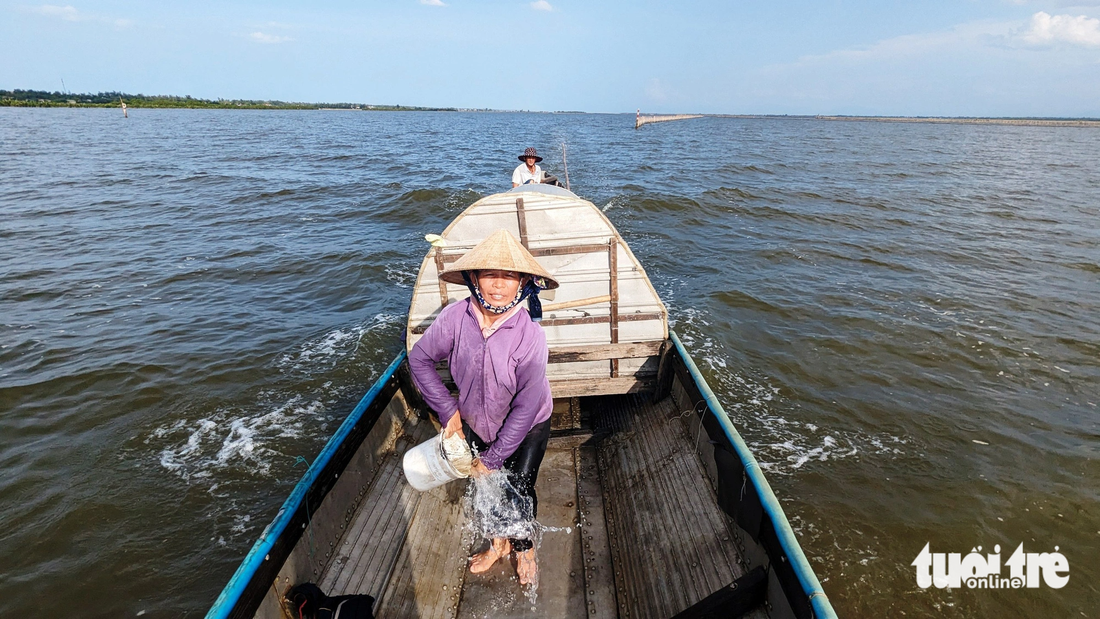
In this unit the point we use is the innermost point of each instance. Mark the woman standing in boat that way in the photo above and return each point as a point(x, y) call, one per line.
point(497, 356)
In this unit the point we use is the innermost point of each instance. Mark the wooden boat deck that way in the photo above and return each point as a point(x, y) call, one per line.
point(651, 539)
point(671, 544)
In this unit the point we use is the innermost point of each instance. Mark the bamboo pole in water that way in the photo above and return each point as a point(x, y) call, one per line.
point(565, 163)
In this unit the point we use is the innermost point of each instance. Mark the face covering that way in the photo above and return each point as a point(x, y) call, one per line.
point(529, 290)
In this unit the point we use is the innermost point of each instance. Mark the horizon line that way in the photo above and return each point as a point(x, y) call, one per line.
point(8, 99)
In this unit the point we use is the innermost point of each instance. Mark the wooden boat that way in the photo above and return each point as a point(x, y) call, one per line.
point(670, 514)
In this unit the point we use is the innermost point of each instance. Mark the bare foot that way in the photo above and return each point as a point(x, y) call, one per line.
point(527, 567)
point(482, 561)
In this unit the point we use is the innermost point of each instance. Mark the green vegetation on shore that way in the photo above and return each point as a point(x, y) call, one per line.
point(42, 98)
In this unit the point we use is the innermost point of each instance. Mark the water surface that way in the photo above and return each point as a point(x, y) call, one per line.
point(902, 320)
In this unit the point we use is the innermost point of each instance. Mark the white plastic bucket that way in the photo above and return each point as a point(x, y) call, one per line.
point(426, 465)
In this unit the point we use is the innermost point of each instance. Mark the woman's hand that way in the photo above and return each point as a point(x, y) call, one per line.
point(479, 469)
point(454, 425)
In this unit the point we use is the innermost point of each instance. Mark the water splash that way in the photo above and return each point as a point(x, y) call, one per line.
point(496, 509)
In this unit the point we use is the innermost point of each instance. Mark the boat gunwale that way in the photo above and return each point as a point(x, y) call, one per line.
point(811, 586)
point(230, 596)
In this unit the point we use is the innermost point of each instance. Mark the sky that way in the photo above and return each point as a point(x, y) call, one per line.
point(883, 57)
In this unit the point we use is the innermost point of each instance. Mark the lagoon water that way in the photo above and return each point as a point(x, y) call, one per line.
point(902, 319)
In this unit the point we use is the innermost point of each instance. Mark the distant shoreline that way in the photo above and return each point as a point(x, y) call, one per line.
point(41, 98)
point(945, 120)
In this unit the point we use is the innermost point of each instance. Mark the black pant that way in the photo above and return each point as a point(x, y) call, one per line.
point(522, 466)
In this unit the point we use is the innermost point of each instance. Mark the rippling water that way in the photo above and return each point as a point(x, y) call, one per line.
point(904, 321)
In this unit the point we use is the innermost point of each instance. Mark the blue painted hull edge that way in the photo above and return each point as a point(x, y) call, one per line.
point(810, 585)
point(229, 596)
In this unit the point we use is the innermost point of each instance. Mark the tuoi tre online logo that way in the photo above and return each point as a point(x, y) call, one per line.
point(1026, 569)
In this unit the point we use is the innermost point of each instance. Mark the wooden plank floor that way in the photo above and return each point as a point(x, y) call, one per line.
point(427, 579)
point(671, 544)
point(497, 593)
point(651, 540)
point(375, 535)
point(407, 549)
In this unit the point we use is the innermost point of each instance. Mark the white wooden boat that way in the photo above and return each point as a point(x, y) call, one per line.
point(670, 513)
point(604, 325)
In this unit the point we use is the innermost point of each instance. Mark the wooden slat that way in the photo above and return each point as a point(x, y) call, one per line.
point(600, 386)
point(613, 269)
point(599, 577)
point(431, 566)
point(567, 250)
point(522, 217)
point(672, 546)
point(589, 352)
point(595, 320)
point(550, 307)
point(600, 352)
point(580, 320)
point(543, 252)
point(439, 270)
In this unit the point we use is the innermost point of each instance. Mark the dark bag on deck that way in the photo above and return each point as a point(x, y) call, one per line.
point(307, 601)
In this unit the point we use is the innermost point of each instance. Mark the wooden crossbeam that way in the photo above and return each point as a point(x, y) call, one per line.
point(595, 320)
point(600, 386)
point(601, 352)
point(543, 252)
point(580, 320)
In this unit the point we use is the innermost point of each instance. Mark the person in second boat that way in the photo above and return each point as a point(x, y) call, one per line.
point(528, 171)
point(497, 355)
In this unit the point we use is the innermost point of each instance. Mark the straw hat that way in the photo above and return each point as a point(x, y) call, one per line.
point(501, 251)
point(530, 152)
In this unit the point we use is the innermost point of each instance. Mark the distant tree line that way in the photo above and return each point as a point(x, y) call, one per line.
point(42, 98)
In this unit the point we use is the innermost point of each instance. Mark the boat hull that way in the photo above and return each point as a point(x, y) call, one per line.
point(672, 511)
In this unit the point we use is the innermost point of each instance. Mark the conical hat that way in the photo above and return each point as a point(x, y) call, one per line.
point(501, 251)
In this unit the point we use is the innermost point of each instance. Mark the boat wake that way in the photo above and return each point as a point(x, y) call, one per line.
point(265, 433)
point(780, 437)
point(325, 351)
point(232, 439)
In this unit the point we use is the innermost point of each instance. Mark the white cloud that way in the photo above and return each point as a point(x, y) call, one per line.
point(261, 37)
point(67, 12)
point(963, 36)
point(433, 2)
point(70, 13)
point(976, 68)
point(541, 5)
point(1046, 29)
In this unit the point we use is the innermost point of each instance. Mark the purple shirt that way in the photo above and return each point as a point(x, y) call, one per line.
point(502, 385)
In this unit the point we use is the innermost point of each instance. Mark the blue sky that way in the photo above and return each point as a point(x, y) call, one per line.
point(961, 57)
